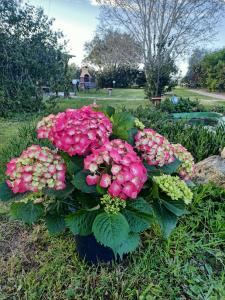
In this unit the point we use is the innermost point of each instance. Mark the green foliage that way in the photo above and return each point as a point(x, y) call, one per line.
point(55, 223)
point(209, 71)
point(122, 122)
point(139, 215)
point(6, 193)
point(130, 244)
point(166, 219)
point(27, 212)
point(110, 229)
point(31, 56)
point(81, 222)
point(184, 105)
point(79, 182)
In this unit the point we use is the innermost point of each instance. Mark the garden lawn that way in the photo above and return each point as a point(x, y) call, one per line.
point(190, 265)
point(125, 94)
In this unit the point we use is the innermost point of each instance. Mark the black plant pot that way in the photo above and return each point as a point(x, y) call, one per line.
point(91, 251)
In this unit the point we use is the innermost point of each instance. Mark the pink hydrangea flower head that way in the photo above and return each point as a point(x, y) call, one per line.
point(155, 149)
point(44, 126)
point(77, 131)
point(187, 168)
point(123, 179)
point(36, 168)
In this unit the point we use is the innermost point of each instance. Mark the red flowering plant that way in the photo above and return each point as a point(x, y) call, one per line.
point(105, 175)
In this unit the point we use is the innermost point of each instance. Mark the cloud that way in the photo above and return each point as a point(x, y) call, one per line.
point(94, 2)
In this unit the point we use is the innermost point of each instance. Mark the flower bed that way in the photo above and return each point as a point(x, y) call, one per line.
point(106, 175)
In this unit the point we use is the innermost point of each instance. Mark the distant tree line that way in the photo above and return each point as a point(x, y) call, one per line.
point(207, 71)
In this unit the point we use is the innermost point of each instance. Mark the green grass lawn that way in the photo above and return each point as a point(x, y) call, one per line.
point(125, 94)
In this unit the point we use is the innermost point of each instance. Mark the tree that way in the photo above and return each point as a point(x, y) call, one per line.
point(210, 71)
point(192, 77)
point(164, 29)
point(111, 49)
point(31, 55)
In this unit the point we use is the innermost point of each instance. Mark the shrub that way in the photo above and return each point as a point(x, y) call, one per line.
point(184, 105)
point(96, 167)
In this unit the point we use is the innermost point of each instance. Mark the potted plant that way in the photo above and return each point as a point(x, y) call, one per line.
point(105, 177)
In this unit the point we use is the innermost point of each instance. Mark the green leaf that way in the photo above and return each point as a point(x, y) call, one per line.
point(61, 194)
point(78, 162)
point(141, 205)
point(79, 182)
point(81, 222)
point(175, 206)
point(139, 215)
point(171, 168)
point(100, 190)
point(6, 194)
point(128, 245)
point(110, 110)
point(55, 224)
point(122, 123)
point(131, 138)
point(110, 229)
point(167, 220)
point(27, 212)
point(152, 170)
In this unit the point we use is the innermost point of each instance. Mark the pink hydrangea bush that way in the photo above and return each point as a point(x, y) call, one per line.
point(36, 168)
point(187, 168)
point(155, 149)
point(76, 131)
point(117, 167)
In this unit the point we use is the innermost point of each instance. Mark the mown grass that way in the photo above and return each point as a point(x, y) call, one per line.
point(125, 94)
point(190, 265)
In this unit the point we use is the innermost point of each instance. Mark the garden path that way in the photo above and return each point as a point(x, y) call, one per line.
point(208, 94)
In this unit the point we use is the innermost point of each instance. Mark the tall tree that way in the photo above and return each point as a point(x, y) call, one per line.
point(193, 73)
point(164, 29)
point(31, 54)
point(112, 49)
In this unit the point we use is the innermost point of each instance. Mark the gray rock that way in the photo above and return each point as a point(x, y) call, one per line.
point(211, 169)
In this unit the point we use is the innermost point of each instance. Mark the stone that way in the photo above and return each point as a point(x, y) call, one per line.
point(223, 153)
point(211, 169)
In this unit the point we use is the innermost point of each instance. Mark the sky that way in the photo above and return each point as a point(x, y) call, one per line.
point(78, 20)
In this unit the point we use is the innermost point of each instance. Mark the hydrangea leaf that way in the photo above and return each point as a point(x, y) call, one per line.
point(122, 123)
point(110, 229)
point(78, 162)
point(79, 182)
point(131, 138)
point(139, 215)
point(81, 222)
point(55, 224)
point(177, 207)
point(27, 212)
point(171, 168)
point(128, 245)
point(6, 193)
point(60, 194)
point(166, 219)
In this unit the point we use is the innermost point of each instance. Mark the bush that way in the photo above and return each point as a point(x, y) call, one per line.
point(184, 105)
